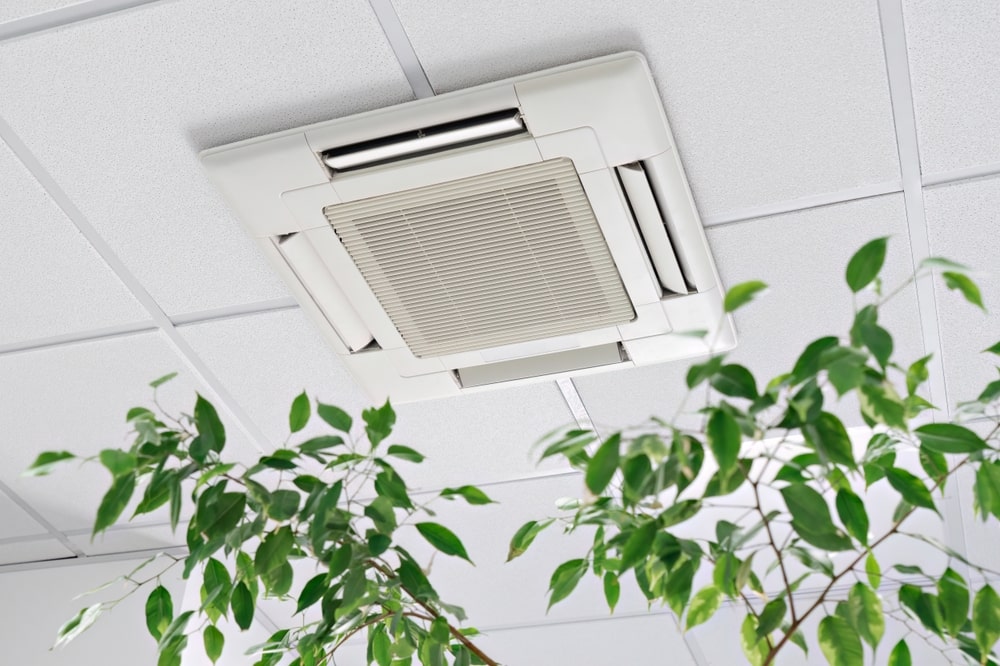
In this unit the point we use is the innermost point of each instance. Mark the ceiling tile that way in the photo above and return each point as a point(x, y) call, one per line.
point(963, 220)
point(43, 599)
point(768, 101)
point(116, 109)
point(802, 257)
point(125, 538)
point(75, 398)
point(267, 359)
point(15, 521)
point(34, 550)
point(54, 281)
point(15, 9)
point(955, 73)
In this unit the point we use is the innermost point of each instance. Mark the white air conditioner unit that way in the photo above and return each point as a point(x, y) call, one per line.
point(536, 227)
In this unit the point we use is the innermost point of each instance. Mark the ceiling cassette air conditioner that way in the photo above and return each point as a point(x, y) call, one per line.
point(532, 228)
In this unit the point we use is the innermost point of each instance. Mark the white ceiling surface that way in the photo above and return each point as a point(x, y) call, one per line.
point(773, 105)
point(955, 69)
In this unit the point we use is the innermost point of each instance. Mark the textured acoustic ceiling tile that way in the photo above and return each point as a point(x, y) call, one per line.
point(802, 257)
point(963, 221)
point(53, 281)
point(768, 101)
point(267, 359)
point(955, 72)
point(15, 521)
point(15, 9)
point(35, 550)
point(117, 109)
point(75, 398)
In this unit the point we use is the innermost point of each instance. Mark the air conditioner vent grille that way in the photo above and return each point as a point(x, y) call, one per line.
point(490, 260)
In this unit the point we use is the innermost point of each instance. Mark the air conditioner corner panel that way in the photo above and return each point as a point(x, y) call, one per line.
point(381, 380)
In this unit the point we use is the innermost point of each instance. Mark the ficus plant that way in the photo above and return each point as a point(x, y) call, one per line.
point(331, 501)
point(798, 493)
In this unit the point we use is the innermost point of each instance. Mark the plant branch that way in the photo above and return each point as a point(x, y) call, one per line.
point(777, 551)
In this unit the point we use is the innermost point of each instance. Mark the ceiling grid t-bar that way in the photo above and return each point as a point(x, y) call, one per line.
point(904, 118)
point(199, 370)
point(400, 44)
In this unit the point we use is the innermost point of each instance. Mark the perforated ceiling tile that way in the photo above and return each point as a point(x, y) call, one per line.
point(768, 101)
point(963, 221)
point(802, 257)
point(118, 117)
point(53, 281)
point(955, 73)
point(75, 398)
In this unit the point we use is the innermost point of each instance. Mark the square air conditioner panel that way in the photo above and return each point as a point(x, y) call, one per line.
point(505, 257)
point(536, 227)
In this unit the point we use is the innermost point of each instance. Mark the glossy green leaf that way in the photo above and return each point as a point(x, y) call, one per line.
point(114, 502)
point(160, 381)
point(853, 515)
point(910, 487)
point(159, 611)
point(77, 624)
point(866, 615)
point(735, 381)
point(740, 294)
point(524, 536)
point(300, 412)
point(926, 607)
point(954, 595)
point(211, 432)
point(378, 423)
point(443, 539)
point(284, 504)
point(986, 618)
point(603, 465)
point(900, 655)
point(770, 617)
point(222, 515)
point(811, 518)
point(335, 417)
point(46, 462)
point(755, 649)
point(839, 642)
point(243, 606)
point(214, 642)
point(866, 263)
point(724, 439)
point(277, 462)
point(273, 551)
point(829, 436)
point(637, 545)
point(565, 578)
point(321, 443)
point(949, 438)
point(470, 494)
point(963, 284)
point(612, 590)
point(704, 605)
point(405, 453)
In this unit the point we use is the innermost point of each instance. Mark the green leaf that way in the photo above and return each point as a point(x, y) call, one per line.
point(381, 646)
point(880, 403)
point(77, 624)
point(612, 590)
point(866, 614)
point(829, 436)
point(637, 545)
point(994, 349)
point(678, 586)
point(470, 494)
point(900, 655)
point(866, 263)
point(740, 294)
point(754, 648)
point(704, 605)
point(243, 606)
point(118, 462)
point(524, 536)
point(724, 574)
point(954, 595)
point(968, 288)
point(156, 383)
point(700, 372)
point(378, 423)
point(808, 363)
point(844, 367)
point(114, 502)
point(443, 539)
point(159, 611)
point(321, 443)
point(335, 417)
point(46, 462)
point(602, 466)
point(276, 462)
point(284, 504)
point(299, 415)
point(910, 487)
point(811, 518)
point(210, 428)
point(852, 514)
point(935, 465)
point(214, 642)
point(405, 453)
point(925, 606)
point(839, 641)
point(986, 618)
point(873, 570)
point(879, 341)
point(770, 617)
point(273, 552)
point(382, 514)
point(735, 381)
point(564, 579)
point(949, 438)
point(917, 374)
point(724, 439)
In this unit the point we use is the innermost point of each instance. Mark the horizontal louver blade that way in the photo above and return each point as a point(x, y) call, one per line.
point(490, 260)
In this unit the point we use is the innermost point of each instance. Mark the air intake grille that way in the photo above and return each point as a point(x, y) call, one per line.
point(502, 258)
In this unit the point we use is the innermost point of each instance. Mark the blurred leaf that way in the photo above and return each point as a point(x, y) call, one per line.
point(113, 503)
point(46, 462)
point(910, 487)
point(881, 403)
point(443, 539)
point(210, 429)
point(873, 570)
point(703, 606)
point(564, 580)
point(699, 372)
point(299, 415)
point(273, 551)
point(405, 453)
point(986, 618)
point(968, 288)
point(724, 574)
point(954, 595)
point(740, 294)
point(243, 606)
point(724, 439)
point(829, 436)
point(754, 648)
point(378, 423)
point(679, 512)
point(853, 515)
point(879, 341)
point(637, 545)
point(949, 438)
point(276, 462)
point(865, 265)
point(926, 607)
point(678, 586)
point(284, 504)
point(612, 590)
point(381, 646)
point(159, 611)
point(222, 515)
point(917, 374)
point(993, 349)
point(866, 614)
point(839, 642)
point(844, 367)
point(934, 465)
point(900, 655)
point(735, 381)
point(808, 363)
point(160, 381)
point(811, 518)
point(770, 617)
point(214, 642)
point(470, 494)
point(603, 465)
point(524, 536)
point(321, 443)
point(335, 417)
point(77, 624)
point(118, 462)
